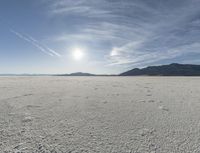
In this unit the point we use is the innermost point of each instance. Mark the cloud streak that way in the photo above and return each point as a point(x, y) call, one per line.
point(35, 43)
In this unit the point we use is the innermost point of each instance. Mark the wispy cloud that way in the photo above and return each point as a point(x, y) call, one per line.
point(142, 58)
point(86, 8)
point(138, 32)
point(36, 44)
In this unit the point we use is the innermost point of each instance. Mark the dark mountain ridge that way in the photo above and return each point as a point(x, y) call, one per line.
point(173, 69)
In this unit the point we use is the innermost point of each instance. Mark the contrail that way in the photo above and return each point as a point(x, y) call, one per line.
point(53, 51)
point(44, 46)
point(35, 43)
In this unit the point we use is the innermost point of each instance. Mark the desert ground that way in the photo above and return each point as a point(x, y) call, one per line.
point(99, 114)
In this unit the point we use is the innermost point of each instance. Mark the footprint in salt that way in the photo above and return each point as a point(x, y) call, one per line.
point(163, 108)
point(105, 102)
point(25, 95)
point(27, 119)
point(146, 131)
point(151, 101)
point(142, 101)
point(32, 106)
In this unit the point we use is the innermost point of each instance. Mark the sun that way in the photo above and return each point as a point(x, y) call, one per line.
point(78, 54)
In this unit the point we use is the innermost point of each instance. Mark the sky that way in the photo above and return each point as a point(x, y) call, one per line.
point(97, 36)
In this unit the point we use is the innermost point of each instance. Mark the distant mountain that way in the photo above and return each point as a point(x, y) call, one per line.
point(173, 69)
point(25, 74)
point(78, 74)
point(81, 74)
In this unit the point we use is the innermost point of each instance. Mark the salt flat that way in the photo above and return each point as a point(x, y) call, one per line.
point(99, 114)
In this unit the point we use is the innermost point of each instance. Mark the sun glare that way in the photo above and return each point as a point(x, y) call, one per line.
point(77, 54)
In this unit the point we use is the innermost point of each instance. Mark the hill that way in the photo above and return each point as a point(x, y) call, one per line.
point(78, 74)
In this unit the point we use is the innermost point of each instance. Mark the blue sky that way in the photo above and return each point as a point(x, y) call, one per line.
point(114, 35)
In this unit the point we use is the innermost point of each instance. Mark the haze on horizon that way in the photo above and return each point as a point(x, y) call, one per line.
point(97, 36)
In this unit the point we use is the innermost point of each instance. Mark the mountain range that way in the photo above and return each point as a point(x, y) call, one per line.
point(173, 69)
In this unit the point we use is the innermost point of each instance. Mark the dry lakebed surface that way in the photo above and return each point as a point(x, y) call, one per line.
point(99, 114)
